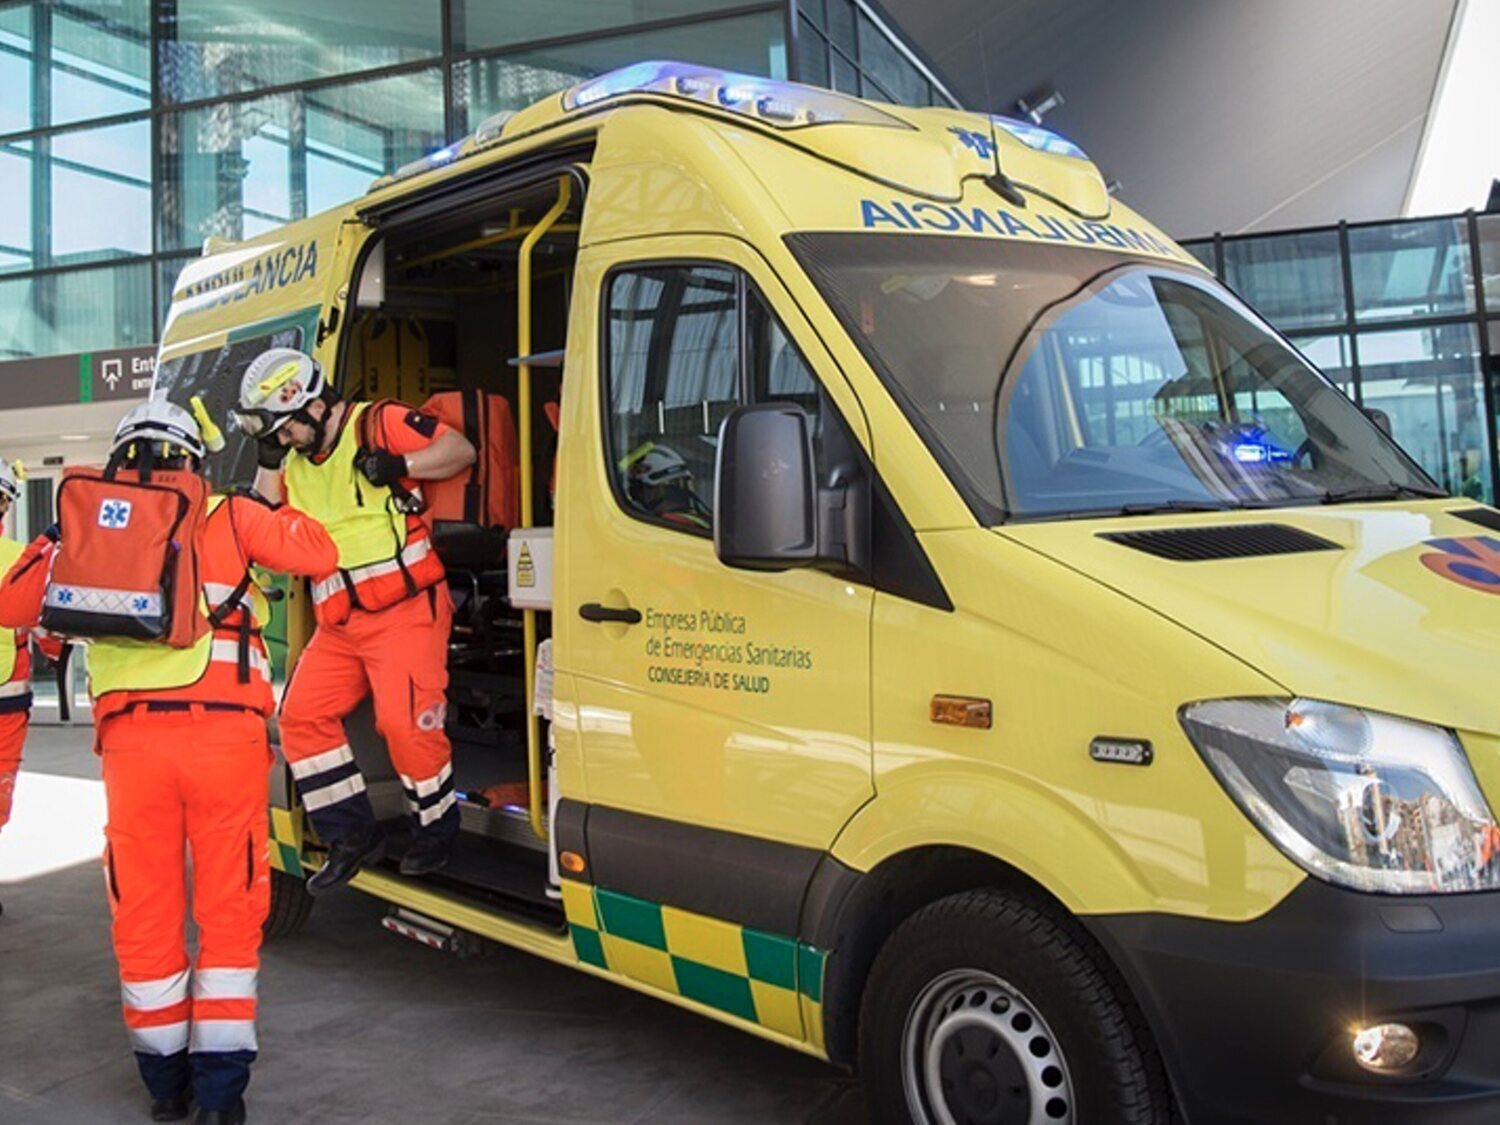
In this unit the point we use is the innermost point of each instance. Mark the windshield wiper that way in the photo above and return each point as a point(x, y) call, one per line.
point(1149, 509)
point(1388, 491)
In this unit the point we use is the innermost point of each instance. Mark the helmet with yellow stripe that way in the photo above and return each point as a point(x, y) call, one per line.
point(278, 387)
point(12, 474)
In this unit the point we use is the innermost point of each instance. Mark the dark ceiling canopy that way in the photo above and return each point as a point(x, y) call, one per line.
point(1212, 114)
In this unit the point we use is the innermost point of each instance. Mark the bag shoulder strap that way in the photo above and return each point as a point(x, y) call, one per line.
point(474, 507)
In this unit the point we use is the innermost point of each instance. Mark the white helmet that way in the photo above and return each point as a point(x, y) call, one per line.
point(11, 476)
point(656, 465)
point(159, 420)
point(278, 385)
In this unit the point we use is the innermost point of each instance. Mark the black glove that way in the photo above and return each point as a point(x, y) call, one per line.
point(381, 467)
point(270, 454)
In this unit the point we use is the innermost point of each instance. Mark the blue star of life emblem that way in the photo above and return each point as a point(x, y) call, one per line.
point(65, 596)
point(114, 514)
point(983, 146)
point(140, 605)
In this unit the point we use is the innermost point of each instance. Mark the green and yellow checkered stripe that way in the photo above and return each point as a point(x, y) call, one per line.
point(767, 979)
point(288, 830)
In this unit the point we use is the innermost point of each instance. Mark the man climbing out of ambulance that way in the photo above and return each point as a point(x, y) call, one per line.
point(15, 660)
point(383, 613)
point(182, 735)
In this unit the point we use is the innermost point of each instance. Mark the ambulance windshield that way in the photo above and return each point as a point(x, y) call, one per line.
point(1053, 381)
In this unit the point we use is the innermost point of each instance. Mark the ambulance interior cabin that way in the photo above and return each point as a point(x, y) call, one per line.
point(475, 299)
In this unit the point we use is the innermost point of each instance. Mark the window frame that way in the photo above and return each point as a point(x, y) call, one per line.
point(744, 381)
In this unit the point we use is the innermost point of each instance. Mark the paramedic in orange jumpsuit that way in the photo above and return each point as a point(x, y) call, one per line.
point(15, 662)
point(383, 613)
point(186, 769)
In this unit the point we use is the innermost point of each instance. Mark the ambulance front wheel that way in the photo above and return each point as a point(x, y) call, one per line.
point(984, 1006)
point(291, 906)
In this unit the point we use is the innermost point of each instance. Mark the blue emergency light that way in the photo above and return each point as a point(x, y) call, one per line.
point(1034, 136)
point(784, 104)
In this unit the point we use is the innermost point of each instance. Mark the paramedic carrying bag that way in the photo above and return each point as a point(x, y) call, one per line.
point(488, 494)
point(127, 565)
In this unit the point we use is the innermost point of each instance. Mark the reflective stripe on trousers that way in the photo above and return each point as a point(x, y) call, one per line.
point(157, 1013)
point(429, 798)
point(327, 778)
point(223, 1010)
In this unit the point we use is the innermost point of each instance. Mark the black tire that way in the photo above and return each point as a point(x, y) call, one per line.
point(951, 965)
point(291, 906)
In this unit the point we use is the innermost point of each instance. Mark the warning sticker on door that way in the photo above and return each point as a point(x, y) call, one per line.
point(525, 567)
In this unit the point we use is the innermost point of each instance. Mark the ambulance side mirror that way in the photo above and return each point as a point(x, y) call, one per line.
point(765, 489)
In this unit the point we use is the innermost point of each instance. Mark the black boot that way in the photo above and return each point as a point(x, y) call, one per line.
point(171, 1109)
point(346, 857)
point(429, 852)
point(235, 1116)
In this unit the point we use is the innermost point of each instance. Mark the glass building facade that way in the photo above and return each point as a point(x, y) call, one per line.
point(1404, 316)
point(131, 130)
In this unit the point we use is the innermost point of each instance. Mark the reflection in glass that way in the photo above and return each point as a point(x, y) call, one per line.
point(15, 215)
point(880, 59)
point(1204, 252)
point(16, 114)
point(1489, 258)
point(812, 56)
point(210, 48)
point(673, 360)
point(100, 192)
point(478, 24)
point(1427, 381)
point(76, 310)
point(840, 27)
point(239, 169)
point(1411, 269)
point(98, 65)
point(1294, 280)
point(101, 59)
point(753, 44)
point(1054, 381)
point(1332, 355)
point(845, 75)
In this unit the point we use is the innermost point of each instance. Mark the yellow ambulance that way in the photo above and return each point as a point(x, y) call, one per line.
point(944, 631)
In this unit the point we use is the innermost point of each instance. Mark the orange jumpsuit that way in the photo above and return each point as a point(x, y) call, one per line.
point(185, 770)
point(383, 629)
point(15, 714)
point(15, 695)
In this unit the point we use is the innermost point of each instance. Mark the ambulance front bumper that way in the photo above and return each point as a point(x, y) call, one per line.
point(1256, 1019)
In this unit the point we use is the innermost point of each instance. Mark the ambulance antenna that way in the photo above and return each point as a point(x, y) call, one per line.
point(997, 181)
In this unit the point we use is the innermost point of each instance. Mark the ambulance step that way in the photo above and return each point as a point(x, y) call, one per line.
point(432, 933)
point(488, 872)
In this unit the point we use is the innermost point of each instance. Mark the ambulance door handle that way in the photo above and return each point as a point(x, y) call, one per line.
point(593, 611)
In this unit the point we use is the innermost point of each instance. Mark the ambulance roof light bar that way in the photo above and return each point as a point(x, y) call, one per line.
point(1034, 136)
point(782, 104)
point(426, 163)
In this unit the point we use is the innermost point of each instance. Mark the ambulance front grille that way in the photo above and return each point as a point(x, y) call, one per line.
point(1235, 541)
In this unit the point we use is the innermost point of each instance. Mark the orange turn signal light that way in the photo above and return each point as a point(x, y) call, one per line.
point(571, 862)
point(963, 711)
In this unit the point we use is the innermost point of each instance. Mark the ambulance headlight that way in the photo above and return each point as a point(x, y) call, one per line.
point(1359, 799)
